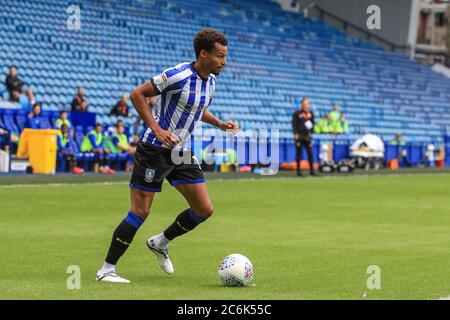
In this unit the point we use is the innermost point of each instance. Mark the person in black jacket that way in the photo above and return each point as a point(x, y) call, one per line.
point(79, 103)
point(15, 85)
point(303, 125)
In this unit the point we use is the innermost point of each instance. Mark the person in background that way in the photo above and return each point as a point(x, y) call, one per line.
point(430, 155)
point(94, 142)
point(121, 108)
point(120, 141)
point(135, 141)
point(65, 150)
point(34, 118)
point(402, 153)
point(341, 125)
point(334, 116)
point(83, 106)
point(336, 113)
point(13, 136)
point(63, 120)
point(120, 145)
point(14, 85)
point(79, 103)
point(151, 102)
point(324, 126)
point(303, 125)
point(112, 130)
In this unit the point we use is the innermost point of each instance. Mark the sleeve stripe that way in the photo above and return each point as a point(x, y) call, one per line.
point(163, 83)
point(174, 71)
point(178, 85)
point(155, 86)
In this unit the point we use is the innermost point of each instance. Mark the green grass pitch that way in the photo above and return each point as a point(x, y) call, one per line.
point(307, 239)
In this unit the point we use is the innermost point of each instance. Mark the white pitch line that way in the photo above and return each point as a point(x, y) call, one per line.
point(322, 177)
point(59, 184)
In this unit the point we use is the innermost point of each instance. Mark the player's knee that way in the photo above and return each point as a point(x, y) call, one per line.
point(206, 211)
point(142, 212)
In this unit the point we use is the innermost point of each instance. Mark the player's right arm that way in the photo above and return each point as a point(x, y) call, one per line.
point(138, 98)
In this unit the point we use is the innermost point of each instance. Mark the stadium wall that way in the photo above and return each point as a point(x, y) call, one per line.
point(399, 18)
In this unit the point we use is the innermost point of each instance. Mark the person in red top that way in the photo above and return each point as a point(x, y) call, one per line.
point(121, 108)
point(303, 125)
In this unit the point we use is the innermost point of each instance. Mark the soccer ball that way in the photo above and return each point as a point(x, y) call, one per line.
point(236, 271)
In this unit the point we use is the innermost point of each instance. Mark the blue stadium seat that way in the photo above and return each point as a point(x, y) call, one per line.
point(2, 125)
point(277, 57)
point(8, 121)
point(21, 119)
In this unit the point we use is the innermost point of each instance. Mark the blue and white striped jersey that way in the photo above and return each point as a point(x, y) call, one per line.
point(185, 96)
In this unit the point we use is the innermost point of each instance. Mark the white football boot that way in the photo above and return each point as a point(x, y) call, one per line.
point(110, 277)
point(162, 254)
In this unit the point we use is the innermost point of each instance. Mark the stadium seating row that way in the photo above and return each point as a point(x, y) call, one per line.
point(276, 57)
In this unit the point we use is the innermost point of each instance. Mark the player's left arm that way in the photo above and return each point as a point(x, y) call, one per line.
point(209, 118)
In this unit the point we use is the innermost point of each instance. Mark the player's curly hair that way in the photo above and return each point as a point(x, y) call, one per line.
point(206, 39)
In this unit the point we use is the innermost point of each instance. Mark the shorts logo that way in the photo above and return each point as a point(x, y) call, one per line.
point(149, 175)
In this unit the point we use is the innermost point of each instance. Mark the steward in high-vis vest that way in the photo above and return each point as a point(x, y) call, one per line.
point(63, 140)
point(335, 115)
point(93, 142)
point(120, 142)
point(62, 120)
point(341, 126)
point(324, 126)
point(66, 152)
point(120, 145)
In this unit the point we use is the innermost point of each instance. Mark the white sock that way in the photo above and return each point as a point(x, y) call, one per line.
point(106, 268)
point(162, 241)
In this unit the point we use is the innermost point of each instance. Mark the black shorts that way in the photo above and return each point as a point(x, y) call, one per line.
point(153, 164)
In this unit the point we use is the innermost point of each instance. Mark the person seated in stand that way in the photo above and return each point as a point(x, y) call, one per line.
point(79, 103)
point(335, 114)
point(152, 101)
point(341, 126)
point(324, 126)
point(83, 106)
point(135, 141)
point(65, 150)
point(94, 142)
point(13, 136)
point(15, 85)
point(112, 130)
point(120, 145)
point(34, 119)
point(121, 108)
point(63, 120)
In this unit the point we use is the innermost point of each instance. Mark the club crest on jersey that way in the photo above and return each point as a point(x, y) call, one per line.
point(149, 175)
point(211, 91)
